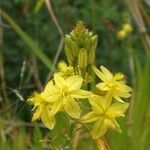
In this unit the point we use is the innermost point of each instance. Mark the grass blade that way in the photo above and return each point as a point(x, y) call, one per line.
point(28, 40)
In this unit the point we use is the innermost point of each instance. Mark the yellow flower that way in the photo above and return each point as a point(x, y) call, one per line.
point(64, 70)
point(58, 95)
point(65, 93)
point(127, 28)
point(121, 34)
point(104, 114)
point(113, 83)
point(43, 109)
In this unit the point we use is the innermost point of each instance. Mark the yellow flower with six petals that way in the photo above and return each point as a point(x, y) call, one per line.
point(113, 83)
point(104, 114)
point(66, 92)
point(42, 109)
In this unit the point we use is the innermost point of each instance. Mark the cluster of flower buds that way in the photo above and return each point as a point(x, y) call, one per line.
point(80, 47)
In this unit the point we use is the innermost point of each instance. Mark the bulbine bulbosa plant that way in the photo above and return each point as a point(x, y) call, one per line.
point(69, 93)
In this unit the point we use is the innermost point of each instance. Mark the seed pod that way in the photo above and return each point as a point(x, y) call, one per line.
point(82, 58)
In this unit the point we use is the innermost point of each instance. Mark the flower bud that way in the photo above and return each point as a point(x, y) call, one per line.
point(75, 49)
point(80, 47)
point(68, 40)
point(70, 57)
point(82, 58)
point(91, 56)
point(87, 44)
point(94, 41)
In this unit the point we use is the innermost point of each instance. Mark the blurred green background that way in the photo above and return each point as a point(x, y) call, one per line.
point(31, 42)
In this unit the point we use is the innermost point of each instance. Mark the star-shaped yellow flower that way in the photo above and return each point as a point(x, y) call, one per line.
point(104, 114)
point(59, 95)
point(65, 93)
point(42, 109)
point(115, 84)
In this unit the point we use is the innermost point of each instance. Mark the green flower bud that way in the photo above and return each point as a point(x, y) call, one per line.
point(80, 47)
point(75, 49)
point(70, 57)
point(68, 41)
point(71, 46)
point(87, 44)
point(91, 56)
point(73, 36)
point(94, 41)
point(83, 58)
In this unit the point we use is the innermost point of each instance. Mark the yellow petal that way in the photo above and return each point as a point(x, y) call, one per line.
point(59, 81)
point(107, 100)
point(49, 86)
point(117, 126)
point(124, 94)
point(117, 109)
point(124, 87)
point(48, 121)
point(37, 113)
point(80, 94)
point(34, 99)
point(118, 76)
point(72, 108)
point(96, 103)
point(103, 86)
point(99, 128)
point(74, 82)
point(56, 106)
point(99, 73)
point(90, 117)
point(107, 73)
point(117, 97)
point(111, 123)
point(53, 98)
point(49, 90)
point(121, 91)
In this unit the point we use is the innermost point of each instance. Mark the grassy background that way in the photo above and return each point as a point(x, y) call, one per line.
point(29, 41)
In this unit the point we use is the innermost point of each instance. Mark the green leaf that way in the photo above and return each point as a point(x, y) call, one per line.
point(38, 6)
point(28, 40)
point(37, 136)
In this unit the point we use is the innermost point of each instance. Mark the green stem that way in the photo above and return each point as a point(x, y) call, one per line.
point(67, 144)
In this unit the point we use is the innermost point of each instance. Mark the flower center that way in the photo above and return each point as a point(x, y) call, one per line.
point(64, 91)
point(113, 86)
